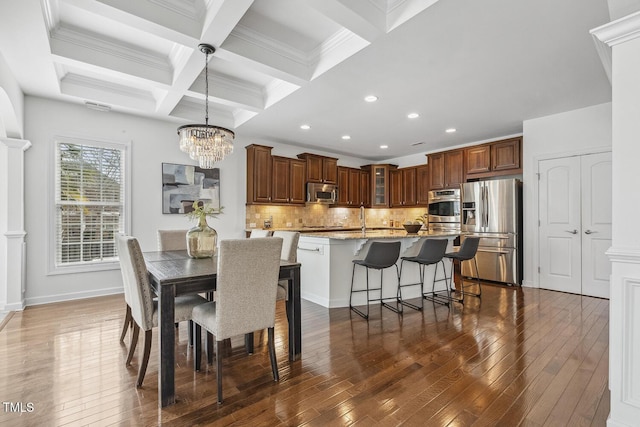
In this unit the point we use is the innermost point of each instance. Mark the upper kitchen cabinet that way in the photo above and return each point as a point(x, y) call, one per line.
point(446, 169)
point(380, 184)
point(259, 174)
point(403, 187)
point(494, 159)
point(422, 185)
point(320, 168)
point(350, 187)
point(288, 180)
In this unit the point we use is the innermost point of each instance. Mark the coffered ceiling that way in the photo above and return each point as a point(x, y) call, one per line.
point(481, 67)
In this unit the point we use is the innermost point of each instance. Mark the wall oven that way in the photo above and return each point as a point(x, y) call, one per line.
point(444, 210)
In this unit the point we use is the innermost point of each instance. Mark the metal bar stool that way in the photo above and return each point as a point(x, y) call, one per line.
point(381, 255)
point(467, 252)
point(431, 253)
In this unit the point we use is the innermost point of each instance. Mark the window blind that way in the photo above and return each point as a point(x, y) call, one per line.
point(90, 196)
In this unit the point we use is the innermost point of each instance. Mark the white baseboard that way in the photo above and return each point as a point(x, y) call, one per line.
point(529, 284)
point(16, 306)
point(73, 296)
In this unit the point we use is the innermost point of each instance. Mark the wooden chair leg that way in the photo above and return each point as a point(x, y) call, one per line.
point(197, 346)
point(248, 342)
point(219, 369)
point(272, 355)
point(134, 343)
point(190, 332)
point(142, 370)
point(209, 345)
point(127, 323)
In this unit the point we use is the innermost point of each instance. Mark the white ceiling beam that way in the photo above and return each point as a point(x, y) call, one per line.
point(128, 18)
point(221, 17)
point(359, 16)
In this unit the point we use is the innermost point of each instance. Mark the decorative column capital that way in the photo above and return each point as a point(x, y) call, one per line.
point(22, 144)
point(619, 31)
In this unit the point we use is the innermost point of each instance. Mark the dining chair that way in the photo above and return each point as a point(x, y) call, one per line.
point(139, 295)
point(172, 240)
point(258, 232)
point(381, 255)
point(431, 253)
point(289, 253)
point(246, 285)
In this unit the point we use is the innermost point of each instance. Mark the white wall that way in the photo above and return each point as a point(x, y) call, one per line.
point(153, 142)
point(587, 130)
point(11, 103)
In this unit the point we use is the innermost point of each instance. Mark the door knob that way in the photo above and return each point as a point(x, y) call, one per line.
point(572, 231)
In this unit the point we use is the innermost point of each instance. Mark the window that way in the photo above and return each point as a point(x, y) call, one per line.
point(90, 195)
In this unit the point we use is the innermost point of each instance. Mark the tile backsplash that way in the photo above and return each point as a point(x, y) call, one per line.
point(323, 215)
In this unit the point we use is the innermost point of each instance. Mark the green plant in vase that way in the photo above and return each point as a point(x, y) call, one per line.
point(202, 240)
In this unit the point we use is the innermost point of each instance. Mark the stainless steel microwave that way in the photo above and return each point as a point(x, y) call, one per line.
point(321, 193)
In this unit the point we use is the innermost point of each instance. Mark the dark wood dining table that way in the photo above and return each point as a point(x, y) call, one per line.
point(173, 273)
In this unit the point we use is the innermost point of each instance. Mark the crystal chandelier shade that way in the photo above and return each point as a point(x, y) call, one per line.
point(206, 143)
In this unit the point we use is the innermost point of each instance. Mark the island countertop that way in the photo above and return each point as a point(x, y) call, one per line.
point(379, 234)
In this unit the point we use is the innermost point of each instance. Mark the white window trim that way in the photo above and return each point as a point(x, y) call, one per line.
point(125, 146)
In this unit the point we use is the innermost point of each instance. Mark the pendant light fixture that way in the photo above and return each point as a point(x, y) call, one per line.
point(206, 143)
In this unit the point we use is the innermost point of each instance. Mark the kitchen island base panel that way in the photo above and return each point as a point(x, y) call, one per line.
point(327, 267)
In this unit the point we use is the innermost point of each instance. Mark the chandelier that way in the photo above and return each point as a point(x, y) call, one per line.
point(206, 143)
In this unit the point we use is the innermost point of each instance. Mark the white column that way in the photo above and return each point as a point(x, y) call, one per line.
point(623, 38)
point(12, 233)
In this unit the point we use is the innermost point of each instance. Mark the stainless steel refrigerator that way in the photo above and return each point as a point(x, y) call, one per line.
point(492, 210)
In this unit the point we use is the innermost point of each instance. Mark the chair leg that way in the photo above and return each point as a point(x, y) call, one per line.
point(209, 345)
point(248, 342)
point(134, 343)
point(398, 308)
point(219, 369)
point(272, 355)
point(351, 306)
point(197, 345)
point(128, 319)
point(479, 294)
point(190, 333)
point(142, 370)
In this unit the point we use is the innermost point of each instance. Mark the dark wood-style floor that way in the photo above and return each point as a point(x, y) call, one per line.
point(519, 357)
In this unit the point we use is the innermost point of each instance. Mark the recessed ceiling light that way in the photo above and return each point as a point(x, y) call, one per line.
point(450, 130)
point(413, 115)
point(305, 127)
point(384, 147)
point(371, 98)
point(345, 137)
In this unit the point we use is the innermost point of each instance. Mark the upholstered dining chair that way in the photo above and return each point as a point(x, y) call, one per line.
point(258, 232)
point(172, 240)
point(289, 253)
point(139, 297)
point(246, 297)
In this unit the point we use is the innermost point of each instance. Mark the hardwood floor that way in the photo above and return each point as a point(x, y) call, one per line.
point(518, 357)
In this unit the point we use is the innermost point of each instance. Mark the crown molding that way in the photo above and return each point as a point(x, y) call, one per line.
point(624, 255)
point(191, 9)
point(111, 88)
point(619, 31)
point(262, 41)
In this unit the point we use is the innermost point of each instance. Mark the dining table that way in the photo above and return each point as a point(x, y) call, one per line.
point(174, 273)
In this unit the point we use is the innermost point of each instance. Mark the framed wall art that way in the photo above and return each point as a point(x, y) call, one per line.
point(183, 184)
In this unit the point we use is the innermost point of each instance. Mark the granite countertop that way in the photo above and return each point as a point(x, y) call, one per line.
point(328, 228)
point(378, 234)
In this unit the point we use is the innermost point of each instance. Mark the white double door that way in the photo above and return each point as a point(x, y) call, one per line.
point(575, 224)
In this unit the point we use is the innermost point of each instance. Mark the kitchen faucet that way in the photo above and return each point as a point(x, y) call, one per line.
point(362, 220)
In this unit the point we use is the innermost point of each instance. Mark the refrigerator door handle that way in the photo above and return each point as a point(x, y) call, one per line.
point(485, 205)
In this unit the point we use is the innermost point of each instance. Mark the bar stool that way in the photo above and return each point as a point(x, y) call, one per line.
point(431, 253)
point(381, 255)
point(467, 252)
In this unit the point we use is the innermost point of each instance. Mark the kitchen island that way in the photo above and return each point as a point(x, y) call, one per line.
point(326, 259)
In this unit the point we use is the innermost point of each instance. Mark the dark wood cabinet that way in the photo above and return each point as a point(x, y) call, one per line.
point(379, 184)
point(288, 180)
point(402, 187)
point(365, 188)
point(446, 169)
point(259, 174)
point(505, 155)
point(320, 168)
point(494, 159)
point(422, 185)
point(350, 187)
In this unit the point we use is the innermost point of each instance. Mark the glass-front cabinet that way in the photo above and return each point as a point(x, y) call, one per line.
point(380, 187)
